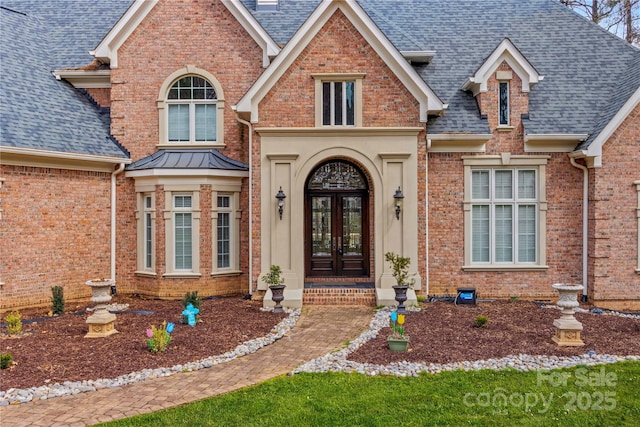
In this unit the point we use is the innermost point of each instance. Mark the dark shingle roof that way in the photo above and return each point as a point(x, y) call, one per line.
point(584, 66)
point(36, 110)
point(188, 159)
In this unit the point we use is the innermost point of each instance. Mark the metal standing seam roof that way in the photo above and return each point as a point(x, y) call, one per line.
point(187, 158)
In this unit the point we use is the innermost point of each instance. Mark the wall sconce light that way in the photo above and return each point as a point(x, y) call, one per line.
point(398, 198)
point(280, 197)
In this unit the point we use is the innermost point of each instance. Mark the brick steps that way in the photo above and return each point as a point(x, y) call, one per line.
point(337, 295)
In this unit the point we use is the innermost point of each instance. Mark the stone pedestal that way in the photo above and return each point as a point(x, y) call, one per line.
point(101, 322)
point(567, 327)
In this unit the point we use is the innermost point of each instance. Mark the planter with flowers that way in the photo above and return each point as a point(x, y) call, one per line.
point(397, 341)
point(400, 272)
point(275, 281)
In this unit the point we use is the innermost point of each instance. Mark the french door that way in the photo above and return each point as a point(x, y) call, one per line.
point(337, 229)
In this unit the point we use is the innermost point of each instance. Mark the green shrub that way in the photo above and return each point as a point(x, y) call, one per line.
point(57, 300)
point(6, 360)
point(481, 321)
point(191, 298)
point(14, 323)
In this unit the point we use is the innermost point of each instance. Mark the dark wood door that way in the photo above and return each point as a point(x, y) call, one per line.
point(337, 235)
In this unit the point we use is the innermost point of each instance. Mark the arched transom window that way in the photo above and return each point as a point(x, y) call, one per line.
point(192, 111)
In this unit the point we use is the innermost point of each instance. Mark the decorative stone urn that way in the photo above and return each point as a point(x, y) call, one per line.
point(401, 297)
point(567, 327)
point(101, 322)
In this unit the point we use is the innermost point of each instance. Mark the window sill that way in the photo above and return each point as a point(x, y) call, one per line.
point(146, 274)
point(505, 268)
point(169, 145)
point(226, 273)
point(181, 275)
point(504, 128)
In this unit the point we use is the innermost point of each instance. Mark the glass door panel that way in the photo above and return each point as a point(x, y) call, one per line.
point(351, 226)
point(321, 233)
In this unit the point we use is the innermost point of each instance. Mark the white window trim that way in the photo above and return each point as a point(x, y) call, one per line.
point(169, 215)
point(506, 160)
point(141, 214)
point(637, 184)
point(234, 249)
point(163, 112)
point(339, 77)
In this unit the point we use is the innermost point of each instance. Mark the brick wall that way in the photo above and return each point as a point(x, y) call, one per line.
point(175, 34)
point(613, 249)
point(446, 216)
point(55, 232)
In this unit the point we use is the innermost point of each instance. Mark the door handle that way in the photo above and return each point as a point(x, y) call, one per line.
point(340, 245)
point(333, 244)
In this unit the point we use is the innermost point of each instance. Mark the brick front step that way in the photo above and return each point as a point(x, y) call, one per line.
point(339, 296)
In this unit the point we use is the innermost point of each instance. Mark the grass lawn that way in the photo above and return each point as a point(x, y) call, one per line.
point(604, 395)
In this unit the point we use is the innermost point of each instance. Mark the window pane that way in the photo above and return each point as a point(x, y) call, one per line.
point(527, 184)
point(224, 201)
point(337, 114)
point(504, 233)
point(480, 233)
point(178, 122)
point(182, 201)
point(350, 99)
point(326, 103)
point(224, 241)
point(504, 184)
point(148, 239)
point(527, 233)
point(480, 185)
point(504, 103)
point(206, 122)
point(183, 241)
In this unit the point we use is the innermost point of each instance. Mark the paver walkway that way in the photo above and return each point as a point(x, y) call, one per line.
point(319, 330)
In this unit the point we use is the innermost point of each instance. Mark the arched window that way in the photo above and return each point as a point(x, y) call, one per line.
point(191, 109)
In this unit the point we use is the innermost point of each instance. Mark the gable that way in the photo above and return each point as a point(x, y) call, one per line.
point(427, 99)
point(339, 51)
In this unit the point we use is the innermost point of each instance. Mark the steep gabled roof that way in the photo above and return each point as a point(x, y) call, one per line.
point(38, 112)
point(586, 68)
point(428, 100)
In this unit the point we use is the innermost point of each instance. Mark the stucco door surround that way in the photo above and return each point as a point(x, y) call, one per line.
point(387, 156)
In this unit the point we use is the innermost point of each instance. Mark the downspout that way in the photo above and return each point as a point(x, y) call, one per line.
point(585, 229)
point(113, 224)
point(426, 215)
point(250, 127)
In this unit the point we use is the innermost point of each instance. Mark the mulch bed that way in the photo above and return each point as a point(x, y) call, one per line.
point(443, 333)
point(55, 350)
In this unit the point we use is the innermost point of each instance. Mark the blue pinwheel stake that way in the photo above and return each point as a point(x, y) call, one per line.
point(190, 312)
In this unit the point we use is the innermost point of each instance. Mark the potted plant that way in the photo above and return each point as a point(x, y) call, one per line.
point(276, 283)
point(400, 272)
point(397, 341)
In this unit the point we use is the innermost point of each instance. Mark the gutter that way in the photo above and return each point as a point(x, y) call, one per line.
point(585, 223)
point(113, 222)
point(250, 128)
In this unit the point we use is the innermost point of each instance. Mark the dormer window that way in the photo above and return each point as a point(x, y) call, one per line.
point(338, 99)
point(503, 102)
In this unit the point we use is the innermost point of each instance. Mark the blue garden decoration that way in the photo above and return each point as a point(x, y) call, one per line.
point(190, 312)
